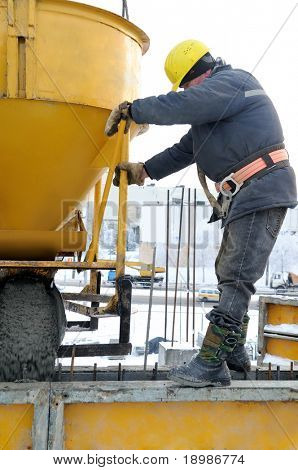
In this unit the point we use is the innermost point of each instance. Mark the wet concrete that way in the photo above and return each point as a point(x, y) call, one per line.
point(32, 326)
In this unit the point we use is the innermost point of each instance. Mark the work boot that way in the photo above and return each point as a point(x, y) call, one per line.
point(239, 359)
point(208, 367)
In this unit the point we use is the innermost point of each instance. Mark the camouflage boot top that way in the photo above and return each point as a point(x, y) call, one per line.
point(218, 344)
point(239, 359)
point(244, 328)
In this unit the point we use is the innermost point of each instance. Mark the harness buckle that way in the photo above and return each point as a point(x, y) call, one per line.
point(229, 192)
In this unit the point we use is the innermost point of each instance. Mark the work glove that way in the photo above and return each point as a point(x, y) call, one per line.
point(120, 112)
point(135, 173)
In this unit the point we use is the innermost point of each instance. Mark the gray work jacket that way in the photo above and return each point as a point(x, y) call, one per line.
point(232, 118)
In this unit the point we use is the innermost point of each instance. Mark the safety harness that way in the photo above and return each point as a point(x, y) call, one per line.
point(231, 184)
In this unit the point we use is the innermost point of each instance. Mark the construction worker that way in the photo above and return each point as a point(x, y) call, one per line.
point(236, 140)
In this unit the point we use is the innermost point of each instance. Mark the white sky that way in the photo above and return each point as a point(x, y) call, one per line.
point(238, 31)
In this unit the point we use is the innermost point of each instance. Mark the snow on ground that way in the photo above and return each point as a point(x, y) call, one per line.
point(109, 329)
point(284, 328)
point(176, 345)
point(276, 360)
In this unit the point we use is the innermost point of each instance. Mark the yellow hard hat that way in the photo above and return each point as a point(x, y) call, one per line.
point(181, 59)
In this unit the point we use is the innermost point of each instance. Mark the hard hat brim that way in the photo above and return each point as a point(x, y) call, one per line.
point(175, 86)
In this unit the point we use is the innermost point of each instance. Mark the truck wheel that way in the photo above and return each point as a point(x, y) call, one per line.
point(32, 327)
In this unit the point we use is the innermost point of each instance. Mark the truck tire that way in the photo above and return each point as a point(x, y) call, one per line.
point(32, 327)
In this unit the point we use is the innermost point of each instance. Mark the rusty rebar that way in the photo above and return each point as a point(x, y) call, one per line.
point(73, 355)
point(269, 371)
point(95, 372)
point(177, 266)
point(292, 370)
point(167, 263)
point(150, 307)
point(154, 371)
point(194, 268)
point(188, 270)
point(119, 371)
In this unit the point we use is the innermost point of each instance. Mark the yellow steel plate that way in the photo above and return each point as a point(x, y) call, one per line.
point(282, 348)
point(39, 245)
point(182, 425)
point(15, 427)
point(278, 314)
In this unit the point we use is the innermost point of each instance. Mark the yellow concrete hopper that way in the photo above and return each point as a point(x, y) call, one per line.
point(63, 67)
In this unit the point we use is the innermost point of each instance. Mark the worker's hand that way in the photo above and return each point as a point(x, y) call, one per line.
point(136, 173)
point(120, 112)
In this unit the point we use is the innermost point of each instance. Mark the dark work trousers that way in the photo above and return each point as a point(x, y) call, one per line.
point(246, 245)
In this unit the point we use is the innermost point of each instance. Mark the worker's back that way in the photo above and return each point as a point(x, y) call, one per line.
point(245, 121)
point(233, 122)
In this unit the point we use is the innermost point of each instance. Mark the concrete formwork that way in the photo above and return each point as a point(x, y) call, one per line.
point(276, 312)
point(162, 415)
point(24, 415)
point(148, 415)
